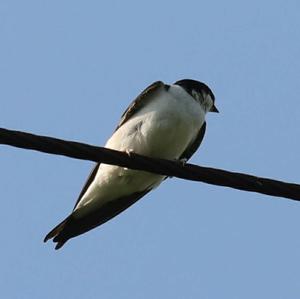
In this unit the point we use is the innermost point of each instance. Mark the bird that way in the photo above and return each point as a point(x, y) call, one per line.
point(165, 121)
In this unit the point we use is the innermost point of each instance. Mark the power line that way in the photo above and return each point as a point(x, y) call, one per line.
point(192, 172)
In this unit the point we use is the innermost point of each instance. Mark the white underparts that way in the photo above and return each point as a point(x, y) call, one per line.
point(163, 128)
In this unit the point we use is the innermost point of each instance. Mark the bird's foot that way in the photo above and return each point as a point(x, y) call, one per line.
point(182, 161)
point(129, 152)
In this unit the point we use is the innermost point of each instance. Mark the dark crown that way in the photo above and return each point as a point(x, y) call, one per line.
point(189, 85)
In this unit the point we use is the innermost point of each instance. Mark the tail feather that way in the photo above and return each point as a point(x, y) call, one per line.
point(55, 234)
point(76, 224)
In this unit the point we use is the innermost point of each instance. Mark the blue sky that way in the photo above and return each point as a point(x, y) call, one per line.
point(70, 68)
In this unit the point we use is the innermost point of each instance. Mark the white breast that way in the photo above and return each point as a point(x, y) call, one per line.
point(163, 128)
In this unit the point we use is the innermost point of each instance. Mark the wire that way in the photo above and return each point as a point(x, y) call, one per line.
point(187, 171)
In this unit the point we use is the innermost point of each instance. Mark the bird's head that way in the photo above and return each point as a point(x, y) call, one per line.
point(200, 92)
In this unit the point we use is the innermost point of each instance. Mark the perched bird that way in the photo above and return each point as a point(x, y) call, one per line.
point(164, 121)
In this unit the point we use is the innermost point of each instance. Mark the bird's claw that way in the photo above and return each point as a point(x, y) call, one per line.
point(129, 151)
point(182, 161)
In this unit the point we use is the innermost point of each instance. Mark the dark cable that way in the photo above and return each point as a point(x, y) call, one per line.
point(192, 172)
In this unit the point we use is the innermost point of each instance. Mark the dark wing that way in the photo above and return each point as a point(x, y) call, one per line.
point(191, 149)
point(74, 226)
point(87, 183)
point(140, 102)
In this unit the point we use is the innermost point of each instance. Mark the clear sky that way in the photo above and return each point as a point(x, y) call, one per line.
point(69, 69)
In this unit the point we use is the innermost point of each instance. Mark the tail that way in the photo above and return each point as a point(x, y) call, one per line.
point(76, 223)
point(56, 235)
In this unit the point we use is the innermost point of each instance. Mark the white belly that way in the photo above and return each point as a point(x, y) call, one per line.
point(164, 128)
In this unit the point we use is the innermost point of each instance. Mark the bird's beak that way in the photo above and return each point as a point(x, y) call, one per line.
point(214, 109)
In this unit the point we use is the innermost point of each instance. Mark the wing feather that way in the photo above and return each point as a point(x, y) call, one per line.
point(194, 145)
point(140, 102)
